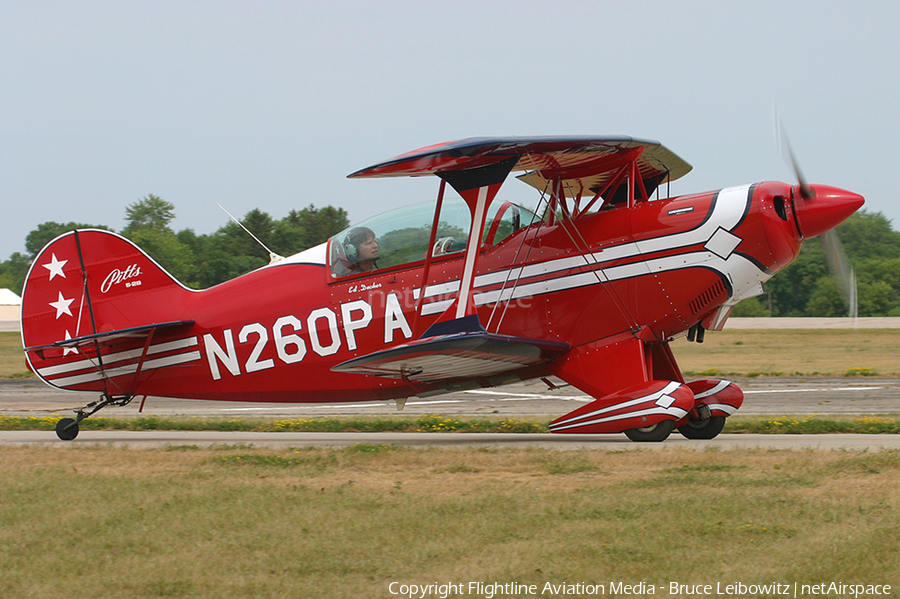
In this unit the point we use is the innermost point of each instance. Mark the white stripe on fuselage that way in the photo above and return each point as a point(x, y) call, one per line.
point(730, 206)
point(727, 213)
point(109, 359)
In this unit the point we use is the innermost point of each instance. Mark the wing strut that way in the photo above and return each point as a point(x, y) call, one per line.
point(429, 255)
point(478, 187)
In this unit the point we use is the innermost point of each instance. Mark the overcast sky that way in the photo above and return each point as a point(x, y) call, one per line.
point(270, 105)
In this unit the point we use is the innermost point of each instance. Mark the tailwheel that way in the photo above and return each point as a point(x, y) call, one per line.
point(653, 433)
point(703, 428)
point(67, 429)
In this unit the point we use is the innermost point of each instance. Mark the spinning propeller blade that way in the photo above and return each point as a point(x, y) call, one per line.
point(840, 267)
point(819, 210)
point(784, 146)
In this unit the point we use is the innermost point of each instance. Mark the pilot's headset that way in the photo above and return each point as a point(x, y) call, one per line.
point(350, 250)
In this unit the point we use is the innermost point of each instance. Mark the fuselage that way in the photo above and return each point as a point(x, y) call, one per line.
point(666, 264)
point(274, 334)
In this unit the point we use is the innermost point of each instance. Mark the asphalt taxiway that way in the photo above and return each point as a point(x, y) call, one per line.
point(774, 397)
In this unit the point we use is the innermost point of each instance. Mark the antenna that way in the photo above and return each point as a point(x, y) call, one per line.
point(273, 257)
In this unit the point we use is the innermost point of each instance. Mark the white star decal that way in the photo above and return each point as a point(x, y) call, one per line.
point(55, 267)
point(69, 350)
point(62, 305)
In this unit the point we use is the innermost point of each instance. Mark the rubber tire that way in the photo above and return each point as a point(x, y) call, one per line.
point(67, 429)
point(703, 429)
point(651, 434)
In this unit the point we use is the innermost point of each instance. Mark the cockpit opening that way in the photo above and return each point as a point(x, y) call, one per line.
point(401, 236)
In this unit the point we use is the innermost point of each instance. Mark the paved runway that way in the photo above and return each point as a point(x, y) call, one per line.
point(780, 396)
point(532, 399)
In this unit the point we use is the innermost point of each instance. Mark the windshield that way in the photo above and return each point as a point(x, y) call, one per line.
point(401, 236)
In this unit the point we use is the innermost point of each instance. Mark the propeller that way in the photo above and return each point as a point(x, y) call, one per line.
point(835, 257)
point(784, 146)
point(840, 267)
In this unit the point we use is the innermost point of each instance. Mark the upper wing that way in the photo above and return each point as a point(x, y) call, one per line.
point(581, 163)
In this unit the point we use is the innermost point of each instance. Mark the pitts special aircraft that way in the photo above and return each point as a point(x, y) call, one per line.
point(452, 294)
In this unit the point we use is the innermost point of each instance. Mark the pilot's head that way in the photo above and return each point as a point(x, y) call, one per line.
point(361, 247)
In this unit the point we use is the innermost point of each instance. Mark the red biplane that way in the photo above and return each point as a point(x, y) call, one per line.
point(455, 293)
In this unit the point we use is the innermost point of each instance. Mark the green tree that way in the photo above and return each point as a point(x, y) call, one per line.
point(151, 212)
point(826, 299)
point(313, 226)
point(869, 235)
point(48, 231)
point(877, 298)
point(165, 248)
point(231, 252)
point(750, 307)
point(13, 272)
point(289, 236)
point(148, 227)
point(262, 226)
point(806, 288)
point(790, 290)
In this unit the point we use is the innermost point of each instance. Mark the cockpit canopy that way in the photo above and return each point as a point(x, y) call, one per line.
point(402, 235)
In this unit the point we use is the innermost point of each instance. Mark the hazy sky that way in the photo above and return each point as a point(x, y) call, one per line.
point(270, 104)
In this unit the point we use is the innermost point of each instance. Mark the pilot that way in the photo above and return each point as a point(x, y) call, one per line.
point(361, 248)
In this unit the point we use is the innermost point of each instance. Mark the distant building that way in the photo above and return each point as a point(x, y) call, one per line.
point(10, 305)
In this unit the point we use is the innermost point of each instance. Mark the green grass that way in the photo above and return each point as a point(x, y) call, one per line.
point(813, 425)
point(801, 352)
point(318, 522)
point(12, 358)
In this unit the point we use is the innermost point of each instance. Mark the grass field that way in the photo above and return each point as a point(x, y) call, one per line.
point(808, 352)
point(12, 359)
point(241, 522)
point(432, 423)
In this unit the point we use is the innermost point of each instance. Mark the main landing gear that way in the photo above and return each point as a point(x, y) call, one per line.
point(67, 428)
point(653, 433)
point(699, 424)
point(707, 428)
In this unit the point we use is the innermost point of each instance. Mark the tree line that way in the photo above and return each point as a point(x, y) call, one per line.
point(804, 288)
point(198, 261)
point(807, 288)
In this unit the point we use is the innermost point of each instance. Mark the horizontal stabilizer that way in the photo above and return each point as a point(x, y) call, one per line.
point(103, 339)
point(452, 357)
point(114, 362)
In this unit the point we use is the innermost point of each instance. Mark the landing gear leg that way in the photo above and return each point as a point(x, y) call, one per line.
point(67, 428)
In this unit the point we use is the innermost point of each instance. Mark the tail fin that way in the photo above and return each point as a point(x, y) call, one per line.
point(89, 293)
